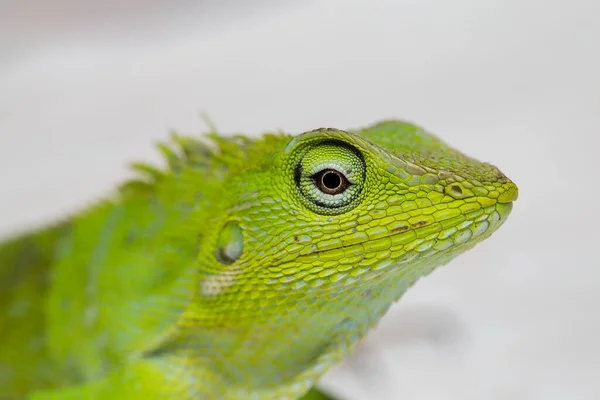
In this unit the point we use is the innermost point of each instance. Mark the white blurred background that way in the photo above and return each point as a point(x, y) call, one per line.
point(87, 86)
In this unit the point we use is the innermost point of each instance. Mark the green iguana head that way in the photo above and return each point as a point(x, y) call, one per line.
point(318, 237)
point(243, 271)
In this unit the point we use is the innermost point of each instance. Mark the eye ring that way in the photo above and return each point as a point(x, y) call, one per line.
point(330, 181)
point(329, 177)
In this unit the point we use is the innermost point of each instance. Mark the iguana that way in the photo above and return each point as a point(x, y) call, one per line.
point(243, 269)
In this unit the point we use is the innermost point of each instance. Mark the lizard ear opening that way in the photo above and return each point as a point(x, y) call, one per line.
point(230, 244)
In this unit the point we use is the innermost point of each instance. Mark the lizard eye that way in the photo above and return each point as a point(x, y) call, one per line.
point(330, 181)
point(330, 177)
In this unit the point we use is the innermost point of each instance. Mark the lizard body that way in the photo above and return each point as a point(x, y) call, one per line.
point(243, 270)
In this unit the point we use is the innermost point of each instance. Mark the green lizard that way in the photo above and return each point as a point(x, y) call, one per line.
point(243, 270)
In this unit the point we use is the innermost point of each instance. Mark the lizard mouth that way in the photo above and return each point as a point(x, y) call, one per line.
point(410, 253)
point(509, 196)
point(420, 236)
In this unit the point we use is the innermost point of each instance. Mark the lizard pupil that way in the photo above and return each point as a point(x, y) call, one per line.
point(331, 181)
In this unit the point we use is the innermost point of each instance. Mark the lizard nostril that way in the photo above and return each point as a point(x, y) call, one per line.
point(456, 190)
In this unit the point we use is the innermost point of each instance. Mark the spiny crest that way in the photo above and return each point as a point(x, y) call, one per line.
point(215, 153)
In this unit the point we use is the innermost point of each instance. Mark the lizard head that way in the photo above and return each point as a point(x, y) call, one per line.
point(335, 227)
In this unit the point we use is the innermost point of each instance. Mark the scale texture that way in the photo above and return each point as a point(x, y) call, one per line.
point(244, 269)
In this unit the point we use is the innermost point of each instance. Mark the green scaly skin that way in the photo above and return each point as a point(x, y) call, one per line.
point(243, 270)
